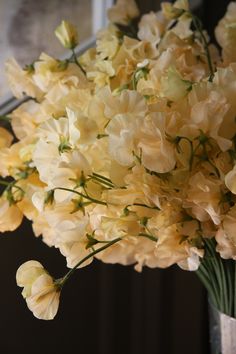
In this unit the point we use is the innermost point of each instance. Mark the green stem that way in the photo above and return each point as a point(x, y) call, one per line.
point(145, 206)
point(196, 148)
point(198, 25)
point(191, 151)
point(209, 161)
point(150, 237)
point(4, 183)
point(211, 271)
point(219, 274)
point(214, 167)
point(77, 62)
point(219, 278)
point(224, 290)
point(102, 177)
point(206, 282)
point(134, 82)
point(11, 185)
point(230, 280)
point(101, 181)
point(100, 136)
point(5, 118)
point(93, 200)
point(69, 274)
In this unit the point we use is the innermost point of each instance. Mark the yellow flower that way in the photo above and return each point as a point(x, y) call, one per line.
point(20, 81)
point(193, 261)
point(25, 118)
point(226, 244)
point(40, 291)
point(230, 180)
point(169, 249)
point(141, 147)
point(123, 12)
point(107, 42)
point(10, 160)
point(173, 86)
point(5, 138)
point(209, 114)
point(120, 226)
point(82, 130)
point(152, 27)
point(225, 236)
point(157, 153)
point(173, 11)
point(226, 34)
point(10, 216)
point(67, 35)
point(204, 195)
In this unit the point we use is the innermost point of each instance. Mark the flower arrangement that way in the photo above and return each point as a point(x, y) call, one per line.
point(127, 153)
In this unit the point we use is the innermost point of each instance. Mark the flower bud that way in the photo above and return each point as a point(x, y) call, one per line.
point(67, 35)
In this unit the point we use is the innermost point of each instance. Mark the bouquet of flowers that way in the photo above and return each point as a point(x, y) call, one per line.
point(127, 153)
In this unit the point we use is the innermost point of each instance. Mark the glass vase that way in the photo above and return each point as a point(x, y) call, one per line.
point(222, 332)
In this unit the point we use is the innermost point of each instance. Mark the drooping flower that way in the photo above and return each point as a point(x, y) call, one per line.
point(40, 290)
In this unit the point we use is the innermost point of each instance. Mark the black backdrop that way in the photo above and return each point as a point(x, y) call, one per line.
point(105, 309)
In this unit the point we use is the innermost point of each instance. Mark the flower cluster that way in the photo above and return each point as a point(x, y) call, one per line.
point(126, 153)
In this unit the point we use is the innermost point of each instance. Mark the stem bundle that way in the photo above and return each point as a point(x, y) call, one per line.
point(219, 277)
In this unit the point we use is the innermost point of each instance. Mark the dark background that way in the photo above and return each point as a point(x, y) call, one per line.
point(105, 309)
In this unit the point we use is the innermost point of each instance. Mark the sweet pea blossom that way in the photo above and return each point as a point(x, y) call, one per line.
point(122, 12)
point(230, 180)
point(126, 153)
point(40, 291)
point(173, 11)
point(226, 33)
point(10, 215)
point(67, 35)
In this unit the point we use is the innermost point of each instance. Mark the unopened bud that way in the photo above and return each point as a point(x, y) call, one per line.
point(67, 35)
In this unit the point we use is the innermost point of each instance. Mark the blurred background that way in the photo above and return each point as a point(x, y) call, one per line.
point(105, 309)
point(27, 28)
